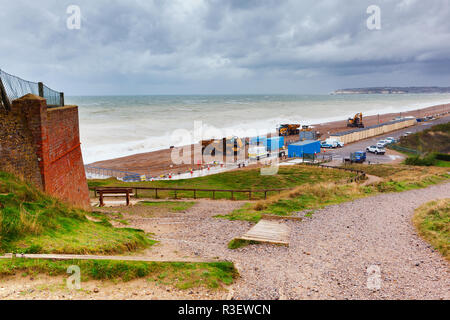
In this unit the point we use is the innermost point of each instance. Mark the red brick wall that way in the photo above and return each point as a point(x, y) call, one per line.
point(48, 153)
point(66, 176)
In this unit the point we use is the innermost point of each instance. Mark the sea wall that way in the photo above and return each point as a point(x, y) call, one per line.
point(47, 151)
point(360, 134)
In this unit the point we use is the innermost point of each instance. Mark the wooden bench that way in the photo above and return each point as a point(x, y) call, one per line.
point(114, 192)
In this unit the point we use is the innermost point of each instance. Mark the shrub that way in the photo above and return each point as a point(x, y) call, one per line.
point(428, 160)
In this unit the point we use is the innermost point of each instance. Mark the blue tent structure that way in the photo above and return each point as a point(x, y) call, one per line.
point(297, 149)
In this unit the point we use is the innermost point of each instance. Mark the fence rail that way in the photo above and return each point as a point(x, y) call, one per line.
point(403, 149)
point(105, 172)
point(13, 87)
point(360, 175)
point(193, 190)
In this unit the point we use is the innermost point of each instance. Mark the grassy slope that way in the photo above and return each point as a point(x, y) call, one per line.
point(432, 220)
point(181, 275)
point(434, 139)
point(287, 177)
point(314, 196)
point(33, 222)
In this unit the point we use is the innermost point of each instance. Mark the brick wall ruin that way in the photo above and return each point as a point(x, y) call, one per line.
point(43, 146)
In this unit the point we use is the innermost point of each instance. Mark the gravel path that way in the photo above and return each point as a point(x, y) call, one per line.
point(330, 253)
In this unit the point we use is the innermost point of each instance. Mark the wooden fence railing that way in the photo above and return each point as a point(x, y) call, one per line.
point(195, 191)
point(360, 175)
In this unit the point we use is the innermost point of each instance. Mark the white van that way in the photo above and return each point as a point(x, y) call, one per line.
point(257, 152)
point(334, 143)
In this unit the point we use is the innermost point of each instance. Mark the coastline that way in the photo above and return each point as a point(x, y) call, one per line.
point(159, 162)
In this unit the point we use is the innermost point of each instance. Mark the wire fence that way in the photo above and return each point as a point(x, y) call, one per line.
point(13, 87)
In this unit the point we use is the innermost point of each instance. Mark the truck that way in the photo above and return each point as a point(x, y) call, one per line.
point(257, 152)
point(356, 157)
point(288, 129)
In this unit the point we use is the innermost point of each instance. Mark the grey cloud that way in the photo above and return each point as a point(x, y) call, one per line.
point(200, 46)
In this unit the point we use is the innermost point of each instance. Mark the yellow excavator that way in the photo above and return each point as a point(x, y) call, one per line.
point(288, 129)
point(356, 121)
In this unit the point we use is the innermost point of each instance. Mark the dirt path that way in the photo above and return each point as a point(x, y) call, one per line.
point(329, 254)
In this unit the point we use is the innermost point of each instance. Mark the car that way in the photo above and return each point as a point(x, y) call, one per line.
point(382, 143)
point(390, 140)
point(376, 150)
point(356, 157)
point(407, 133)
point(324, 144)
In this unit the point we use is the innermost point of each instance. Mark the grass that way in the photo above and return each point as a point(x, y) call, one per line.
point(239, 243)
point(314, 196)
point(287, 177)
point(432, 221)
point(433, 144)
point(433, 139)
point(179, 274)
point(32, 222)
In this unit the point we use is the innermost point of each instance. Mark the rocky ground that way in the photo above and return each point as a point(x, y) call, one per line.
point(331, 253)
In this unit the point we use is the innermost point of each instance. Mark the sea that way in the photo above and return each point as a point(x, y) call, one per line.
point(117, 126)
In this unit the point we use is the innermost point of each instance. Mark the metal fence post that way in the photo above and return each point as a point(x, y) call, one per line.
point(41, 89)
point(4, 97)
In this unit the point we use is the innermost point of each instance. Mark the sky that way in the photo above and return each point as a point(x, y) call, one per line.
point(127, 47)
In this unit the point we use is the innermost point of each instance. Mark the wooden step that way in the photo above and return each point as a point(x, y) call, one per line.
point(268, 231)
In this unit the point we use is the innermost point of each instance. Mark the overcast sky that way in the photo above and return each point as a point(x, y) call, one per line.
point(225, 47)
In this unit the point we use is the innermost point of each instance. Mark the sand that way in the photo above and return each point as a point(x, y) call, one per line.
point(159, 162)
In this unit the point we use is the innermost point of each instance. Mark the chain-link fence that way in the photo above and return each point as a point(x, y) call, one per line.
point(12, 87)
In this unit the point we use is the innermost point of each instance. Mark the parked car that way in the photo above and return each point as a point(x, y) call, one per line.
point(356, 157)
point(324, 144)
point(407, 133)
point(335, 143)
point(376, 150)
point(382, 143)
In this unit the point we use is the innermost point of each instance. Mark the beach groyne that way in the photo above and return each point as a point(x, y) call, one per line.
point(42, 145)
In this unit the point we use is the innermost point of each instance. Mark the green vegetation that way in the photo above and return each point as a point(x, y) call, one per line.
point(287, 177)
point(32, 222)
point(429, 159)
point(434, 139)
point(432, 220)
point(179, 274)
point(169, 206)
point(430, 147)
point(314, 196)
point(239, 243)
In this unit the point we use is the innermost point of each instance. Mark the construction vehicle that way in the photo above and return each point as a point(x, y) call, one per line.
point(356, 121)
point(231, 145)
point(308, 133)
point(288, 129)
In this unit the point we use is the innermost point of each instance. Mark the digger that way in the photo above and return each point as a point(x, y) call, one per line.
point(288, 129)
point(356, 121)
